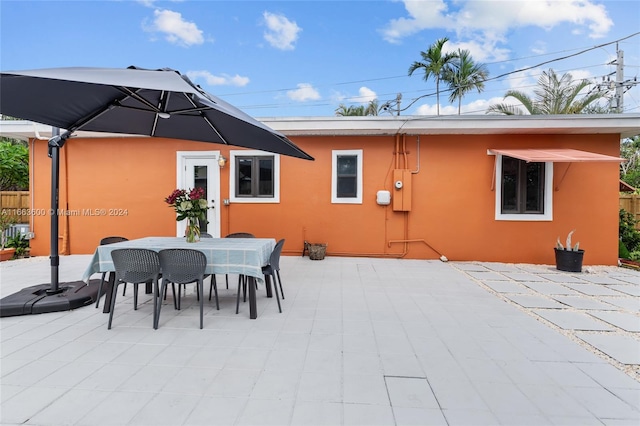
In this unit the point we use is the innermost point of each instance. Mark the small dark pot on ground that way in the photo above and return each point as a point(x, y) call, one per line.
point(568, 260)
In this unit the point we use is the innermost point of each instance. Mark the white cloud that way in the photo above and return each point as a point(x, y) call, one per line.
point(422, 15)
point(481, 51)
point(304, 92)
point(175, 29)
point(146, 3)
point(539, 47)
point(365, 95)
point(477, 107)
point(281, 33)
point(480, 106)
point(490, 21)
point(219, 80)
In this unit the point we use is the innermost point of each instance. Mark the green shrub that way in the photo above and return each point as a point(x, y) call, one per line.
point(628, 233)
point(623, 253)
point(19, 242)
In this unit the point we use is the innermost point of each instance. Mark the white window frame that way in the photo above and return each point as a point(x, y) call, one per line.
point(548, 196)
point(334, 177)
point(232, 177)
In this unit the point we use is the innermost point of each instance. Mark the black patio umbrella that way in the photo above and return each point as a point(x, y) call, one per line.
point(160, 103)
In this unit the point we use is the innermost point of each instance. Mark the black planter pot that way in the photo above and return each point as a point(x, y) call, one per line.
point(568, 260)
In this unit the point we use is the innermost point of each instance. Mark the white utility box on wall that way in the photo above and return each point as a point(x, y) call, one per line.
point(383, 198)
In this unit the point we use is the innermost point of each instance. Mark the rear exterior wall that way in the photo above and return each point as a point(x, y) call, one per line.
point(451, 192)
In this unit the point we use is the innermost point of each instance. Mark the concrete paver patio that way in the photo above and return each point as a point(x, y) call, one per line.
point(360, 342)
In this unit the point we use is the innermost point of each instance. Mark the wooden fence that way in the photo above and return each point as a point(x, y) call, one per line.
point(16, 204)
point(631, 203)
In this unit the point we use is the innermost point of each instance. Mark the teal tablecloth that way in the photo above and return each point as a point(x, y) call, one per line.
point(244, 256)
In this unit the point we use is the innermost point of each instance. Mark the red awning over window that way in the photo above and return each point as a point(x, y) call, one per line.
point(555, 155)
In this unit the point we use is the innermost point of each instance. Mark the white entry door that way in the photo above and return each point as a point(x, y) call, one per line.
point(200, 169)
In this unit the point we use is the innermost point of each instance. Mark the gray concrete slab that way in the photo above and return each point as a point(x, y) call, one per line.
point(594, 289)
point(631, 290)
point(524, 277)
point(601, 279)
point(628, 304)
point(581, 302)
point(507, 287)
point(572, 320)
point(549, 288)
point(623, 320)
point(566, 277)
point(534, 301)
point(487, 276)
point(624, 349)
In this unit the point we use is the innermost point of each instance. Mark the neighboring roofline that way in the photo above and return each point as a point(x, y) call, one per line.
point(625, 125)
point(625, 187)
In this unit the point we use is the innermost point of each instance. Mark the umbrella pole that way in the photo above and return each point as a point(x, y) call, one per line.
point(55, 143)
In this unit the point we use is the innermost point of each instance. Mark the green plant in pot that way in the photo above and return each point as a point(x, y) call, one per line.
point(569, 257)
point(21, 244)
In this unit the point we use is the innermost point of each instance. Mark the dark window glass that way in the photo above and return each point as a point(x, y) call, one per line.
point(265, 183)
point(522, 187)
point(347, 178)
point(255, 176)
point(200, 179)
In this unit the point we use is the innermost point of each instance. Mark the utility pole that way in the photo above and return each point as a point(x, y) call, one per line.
point(398, 98)
point(619, 84)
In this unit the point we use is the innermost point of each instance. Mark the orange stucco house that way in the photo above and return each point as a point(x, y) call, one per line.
point(485, 188)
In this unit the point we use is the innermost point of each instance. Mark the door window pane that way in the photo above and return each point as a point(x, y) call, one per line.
point(200, 181)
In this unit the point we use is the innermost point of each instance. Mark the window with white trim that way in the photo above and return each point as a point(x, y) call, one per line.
point(254, 177)
point(346, 176)
point(523, 190)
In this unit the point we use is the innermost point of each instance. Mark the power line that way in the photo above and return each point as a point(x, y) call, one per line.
point(414, 100)
point(537, 65)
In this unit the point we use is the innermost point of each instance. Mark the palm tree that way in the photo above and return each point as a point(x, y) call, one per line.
point(360, 110)
point(552, 96)
point(372, 108)
point(465, 75)
point(434, 63)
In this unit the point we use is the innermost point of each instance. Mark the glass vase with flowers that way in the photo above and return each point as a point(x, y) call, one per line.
point(192, 206)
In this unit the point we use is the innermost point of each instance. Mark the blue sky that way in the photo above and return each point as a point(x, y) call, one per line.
point(305, 58)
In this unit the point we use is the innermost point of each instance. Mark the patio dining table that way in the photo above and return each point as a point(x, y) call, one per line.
point(243, 256)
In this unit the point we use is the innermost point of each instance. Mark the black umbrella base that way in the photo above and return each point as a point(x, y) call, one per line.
point(37, 300)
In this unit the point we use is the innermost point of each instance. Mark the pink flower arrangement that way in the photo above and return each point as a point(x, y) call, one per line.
point(188, 203)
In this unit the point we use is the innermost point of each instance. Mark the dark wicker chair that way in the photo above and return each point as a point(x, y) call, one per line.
point(213, 277)
point(226, 277)
point(104, 242)
point(271, 271)
point(136, 266)
point(183, 266)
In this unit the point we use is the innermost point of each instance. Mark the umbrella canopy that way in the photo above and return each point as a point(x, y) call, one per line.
point(132, 100)
point(161, 103)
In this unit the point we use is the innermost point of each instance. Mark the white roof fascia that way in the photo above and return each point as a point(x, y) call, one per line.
point(626, 125)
